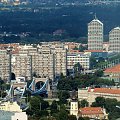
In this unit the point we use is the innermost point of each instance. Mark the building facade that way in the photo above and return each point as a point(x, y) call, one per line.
point(74, 58)
point(21, 66)
point(90, 94)
point(74, 107)
point(93, 113)
point(4, 65)
point(114, 40)
point(113, 73)
point(95, 35)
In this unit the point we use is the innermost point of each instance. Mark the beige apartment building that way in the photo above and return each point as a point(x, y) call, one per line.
point(21, 65)
point(44, 61)
point(48, 61)
point(60, 59)
point(90, 94)
point(114, 40)
point(95, 35)
point(4, 65)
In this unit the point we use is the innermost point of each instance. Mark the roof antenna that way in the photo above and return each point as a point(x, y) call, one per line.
point(95, 16)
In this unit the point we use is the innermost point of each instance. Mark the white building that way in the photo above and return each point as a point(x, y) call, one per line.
point(74, 58)
point(95, 35)
point(11, 111)
point(19, 116)
point(114, 39)
point(74, 107)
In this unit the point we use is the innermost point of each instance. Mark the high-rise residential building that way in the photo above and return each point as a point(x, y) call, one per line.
point(60, 59)
point(49, 60)
point(114, 40)
point(21, 66)
point(43, 61)
point(4, 65)
point(95, 35)
point(44, 66)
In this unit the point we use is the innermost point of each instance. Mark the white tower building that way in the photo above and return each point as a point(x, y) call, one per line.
point(114, 39)
point(95, 35)
point(74, 107)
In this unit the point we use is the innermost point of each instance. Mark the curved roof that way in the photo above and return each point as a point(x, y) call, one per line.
point(96, 20)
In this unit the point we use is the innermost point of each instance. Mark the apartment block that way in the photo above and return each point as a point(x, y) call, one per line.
point(4, 65)
point(95, 35)
point(78, 57)
point(21, 65)
point(114, 40)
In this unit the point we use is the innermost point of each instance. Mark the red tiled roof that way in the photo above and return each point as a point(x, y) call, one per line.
point(90, 110)
point(105, 90)
point(94, 51)
point(115, 69)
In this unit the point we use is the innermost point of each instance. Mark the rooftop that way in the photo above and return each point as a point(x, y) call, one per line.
point(91, 110)
point(96, 20)
point(105, 90)
point(114, 69)
point(93, 51)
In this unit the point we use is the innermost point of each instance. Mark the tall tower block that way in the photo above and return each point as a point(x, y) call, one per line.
point(114, 40)
point(95, 35)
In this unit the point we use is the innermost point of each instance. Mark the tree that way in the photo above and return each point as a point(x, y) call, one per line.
point(99, 73)
point(77, 68)
point(72, 117)
point(80, 118)
point(83, 118)
point(38, 106)
point(99, 102)
point(93, 62)
point(63, 96)
point(84, 103)
point(63, 115)
point(82, 48)
point(47, 118)
point(54, 107)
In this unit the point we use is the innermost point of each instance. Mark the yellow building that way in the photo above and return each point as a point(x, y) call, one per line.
point(10, 106)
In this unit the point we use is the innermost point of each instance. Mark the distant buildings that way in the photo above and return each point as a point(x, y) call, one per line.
point(114, 40)
point(90, 94)
point(95, 35)
point(44, 61)
point(78, 57)
point(97, 54)
point(11, 111)
point(91, 112)
point(113, 73)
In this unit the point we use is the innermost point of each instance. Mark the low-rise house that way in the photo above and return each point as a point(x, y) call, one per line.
point(93, 112)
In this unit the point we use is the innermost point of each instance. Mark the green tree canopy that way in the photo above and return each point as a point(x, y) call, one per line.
point(84, 103)
point(63, 96)
point(72, 117)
